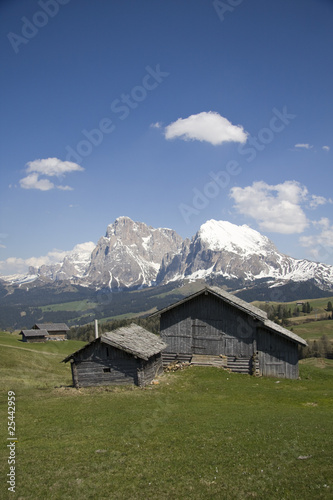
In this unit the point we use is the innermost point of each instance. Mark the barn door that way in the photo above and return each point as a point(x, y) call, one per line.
point(198, 337)
point(233, 347)
point(206, 338)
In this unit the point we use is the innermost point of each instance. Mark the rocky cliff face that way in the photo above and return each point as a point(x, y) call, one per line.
point(130, 254)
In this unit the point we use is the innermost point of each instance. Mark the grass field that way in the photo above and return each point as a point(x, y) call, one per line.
point(76, 305)
point(202, 433)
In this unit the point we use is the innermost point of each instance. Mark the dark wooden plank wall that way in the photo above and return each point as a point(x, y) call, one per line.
point(33, 339)
point(207, 325)
point(150, 369)
point(278, 356)
point(100, 364)
point(90, 373)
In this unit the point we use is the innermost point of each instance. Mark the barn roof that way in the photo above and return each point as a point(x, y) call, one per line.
point(51, 327)
point(284, 332)
point(222, 294)
point(241, 305)
point(34, 333)
point(132, 339)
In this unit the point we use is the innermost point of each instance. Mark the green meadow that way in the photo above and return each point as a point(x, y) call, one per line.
point(314, 330)
point(201, 433)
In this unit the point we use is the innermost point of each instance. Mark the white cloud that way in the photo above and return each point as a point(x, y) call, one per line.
point(87, 247)
point(32, 181)
point(48, 167)
point(53, 167)
point(275, 208)
point(17, 265)
point(326, 148)
point(303, 146)
point(315, 201)
point(156, 125)
point(206, 126)
point(320, 245)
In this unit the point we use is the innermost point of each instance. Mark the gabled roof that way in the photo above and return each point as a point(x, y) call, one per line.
point(225, 296)
point(132, 339)
point(242, 305)
point(51, 327)
point(34, 333)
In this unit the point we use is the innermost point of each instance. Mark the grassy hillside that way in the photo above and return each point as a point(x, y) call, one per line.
point(202, 433)
point(315, 330)
point(318, 307)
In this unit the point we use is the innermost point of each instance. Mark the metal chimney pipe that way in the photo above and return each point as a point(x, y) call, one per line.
point(96, 329)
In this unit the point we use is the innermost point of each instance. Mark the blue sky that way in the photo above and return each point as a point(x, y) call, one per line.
point(170, 112)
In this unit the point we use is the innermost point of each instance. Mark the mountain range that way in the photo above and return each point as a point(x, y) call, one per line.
point(134, 255)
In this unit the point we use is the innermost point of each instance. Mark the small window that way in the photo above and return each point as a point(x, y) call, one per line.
point(106, 370)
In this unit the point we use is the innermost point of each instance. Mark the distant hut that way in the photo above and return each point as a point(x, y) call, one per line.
point(55, 331)
point(214, 327)
point(34, 335)
point(128, 355)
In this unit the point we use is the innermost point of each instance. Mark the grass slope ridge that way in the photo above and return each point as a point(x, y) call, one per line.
point(201, 433)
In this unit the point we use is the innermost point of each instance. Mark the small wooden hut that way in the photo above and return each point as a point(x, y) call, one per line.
point(34, 335)
point(128, 355)
point(214, 327)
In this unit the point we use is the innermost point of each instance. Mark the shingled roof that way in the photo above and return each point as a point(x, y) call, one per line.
point(34, 333)
point(226, 296)
point(132, 339)
point(51, 327)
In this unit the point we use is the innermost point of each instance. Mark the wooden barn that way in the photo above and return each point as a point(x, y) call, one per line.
point(214, 327)
point(55, 331)
point(34, 335)
point(128, 355)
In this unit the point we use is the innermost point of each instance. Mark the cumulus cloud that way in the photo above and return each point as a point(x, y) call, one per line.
point(47, 167)
point(208, 127)
point(276, 208)
point(303, 146)
point(17, 265)
point(326, 148)
point(156, 125)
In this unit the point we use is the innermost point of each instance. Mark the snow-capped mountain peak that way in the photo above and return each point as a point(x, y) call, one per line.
point(225, 236)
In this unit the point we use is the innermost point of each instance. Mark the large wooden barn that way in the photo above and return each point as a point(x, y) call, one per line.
point(214, 327)
point(55, 331)
point(128, 355)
